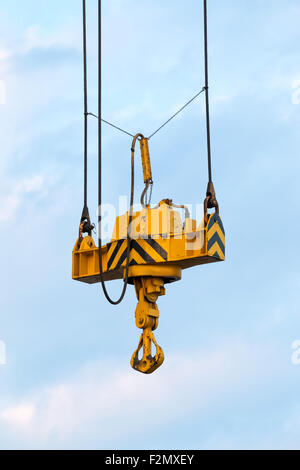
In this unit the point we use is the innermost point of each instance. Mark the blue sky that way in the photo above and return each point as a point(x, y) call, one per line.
point(227, 329)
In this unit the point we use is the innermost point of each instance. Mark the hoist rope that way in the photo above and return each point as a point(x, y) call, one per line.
point(110, 300)
point(207, 92)
point(85, 104)
point(100, 120)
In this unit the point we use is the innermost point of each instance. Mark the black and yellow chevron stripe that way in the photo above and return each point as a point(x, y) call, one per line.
point(143, 251)
point(216, 238)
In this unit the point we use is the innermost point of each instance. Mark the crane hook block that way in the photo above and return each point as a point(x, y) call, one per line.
point(161, 247)
point(146, 318)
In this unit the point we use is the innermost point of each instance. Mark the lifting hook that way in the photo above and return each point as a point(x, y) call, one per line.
point(146, 317)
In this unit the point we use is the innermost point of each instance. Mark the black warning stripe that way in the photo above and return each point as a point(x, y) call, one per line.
point(146, 257)
point(114, 253)
point(134, 246)
point(216, 219)
point(215, 238)
point(138, 248)
point(122, 258)
point(157, 247)
point(143, 254)
point(133, 263)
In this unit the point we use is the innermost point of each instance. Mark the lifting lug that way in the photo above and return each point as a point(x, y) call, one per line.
point(211, 196)
point(85, 223)
point(146, 318)
point(210, 201)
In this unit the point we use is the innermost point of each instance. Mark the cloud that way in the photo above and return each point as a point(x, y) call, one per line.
point(115, 401)
point(146, 79)
point(4, 53)
point(20, 416)
point(11, 202)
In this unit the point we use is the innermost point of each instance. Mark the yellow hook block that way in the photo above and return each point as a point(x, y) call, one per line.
point(161, 247)
point(146, 318)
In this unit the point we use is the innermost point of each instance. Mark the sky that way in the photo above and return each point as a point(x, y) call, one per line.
point(230, 331)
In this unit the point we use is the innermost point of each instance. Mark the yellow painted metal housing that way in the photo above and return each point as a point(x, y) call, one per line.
point(161, 246)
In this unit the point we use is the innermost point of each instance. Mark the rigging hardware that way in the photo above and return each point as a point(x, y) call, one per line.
point(149, 248)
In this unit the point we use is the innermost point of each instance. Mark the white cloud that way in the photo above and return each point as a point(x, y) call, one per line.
point(20, 416)
point(116, 399)
point(4, 53)
point(186, 385)
point(10, 203)
point(35, 37)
